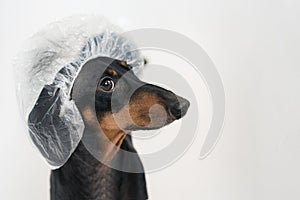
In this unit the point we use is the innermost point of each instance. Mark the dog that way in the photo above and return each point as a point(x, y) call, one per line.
point(120, 104)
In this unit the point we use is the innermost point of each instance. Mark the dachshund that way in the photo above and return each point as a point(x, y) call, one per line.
point(122, 104)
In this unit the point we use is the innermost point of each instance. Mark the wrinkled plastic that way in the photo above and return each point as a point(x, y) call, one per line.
point(45, 71)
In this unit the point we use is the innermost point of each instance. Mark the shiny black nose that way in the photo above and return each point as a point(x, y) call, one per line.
point(179, 108)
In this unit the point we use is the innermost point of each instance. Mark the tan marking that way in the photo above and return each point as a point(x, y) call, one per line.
point(146, 110)
point(124, 63)
point(112, 72)
point(112, 130)
point(108, 125)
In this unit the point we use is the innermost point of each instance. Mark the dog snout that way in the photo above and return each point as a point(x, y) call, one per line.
point(179, 108)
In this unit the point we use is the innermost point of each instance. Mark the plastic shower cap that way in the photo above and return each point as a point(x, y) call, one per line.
point(46, 69)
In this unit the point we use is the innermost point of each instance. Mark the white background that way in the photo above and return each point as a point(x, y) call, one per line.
point(255, 47)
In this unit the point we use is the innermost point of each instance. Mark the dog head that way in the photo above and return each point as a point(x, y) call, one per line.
point(123, 98)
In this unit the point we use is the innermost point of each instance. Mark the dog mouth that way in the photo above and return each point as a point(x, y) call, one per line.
point(170, 119)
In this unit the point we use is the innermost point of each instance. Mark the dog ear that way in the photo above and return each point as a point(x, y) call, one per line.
point(55, 124)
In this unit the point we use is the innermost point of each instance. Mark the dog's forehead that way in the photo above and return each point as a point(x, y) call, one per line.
point(123, 64)
point(118, 68)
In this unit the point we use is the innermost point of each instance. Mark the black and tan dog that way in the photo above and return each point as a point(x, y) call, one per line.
point(120, 103)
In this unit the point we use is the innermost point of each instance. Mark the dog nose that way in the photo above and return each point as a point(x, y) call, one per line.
point(179, 109)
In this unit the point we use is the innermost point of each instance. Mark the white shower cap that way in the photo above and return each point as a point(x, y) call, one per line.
point(45, 71)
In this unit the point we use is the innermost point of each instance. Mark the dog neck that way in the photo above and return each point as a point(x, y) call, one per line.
point(111, 130)
point(83, 177)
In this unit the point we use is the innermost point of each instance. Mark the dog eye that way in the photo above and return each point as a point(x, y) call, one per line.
point(107, 84)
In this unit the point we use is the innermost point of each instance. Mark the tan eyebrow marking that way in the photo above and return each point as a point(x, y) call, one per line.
point(112, 72)
point(124, 63)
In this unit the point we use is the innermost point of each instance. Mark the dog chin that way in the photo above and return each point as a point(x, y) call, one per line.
point(168, 121)
point(138, 128)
